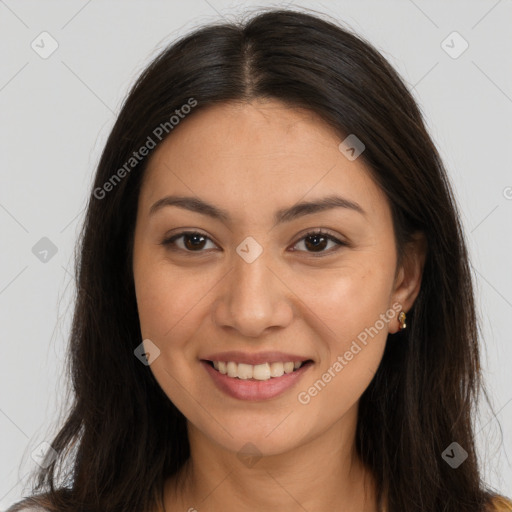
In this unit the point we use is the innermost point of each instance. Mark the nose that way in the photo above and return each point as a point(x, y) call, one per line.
point(253, 298)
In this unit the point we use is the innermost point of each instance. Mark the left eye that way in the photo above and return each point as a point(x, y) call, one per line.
point(318, 241)
point(193, 241)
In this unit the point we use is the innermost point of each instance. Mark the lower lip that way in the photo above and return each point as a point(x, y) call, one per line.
point(252, 389)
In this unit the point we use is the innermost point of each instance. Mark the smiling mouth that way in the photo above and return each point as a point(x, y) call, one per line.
point(261, 372)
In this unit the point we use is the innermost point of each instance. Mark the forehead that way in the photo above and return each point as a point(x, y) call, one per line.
point(258, 155)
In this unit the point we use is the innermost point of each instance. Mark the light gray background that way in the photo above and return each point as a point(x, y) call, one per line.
point(56, 114)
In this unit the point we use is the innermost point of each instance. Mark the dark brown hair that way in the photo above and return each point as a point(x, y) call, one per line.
point(123, 436)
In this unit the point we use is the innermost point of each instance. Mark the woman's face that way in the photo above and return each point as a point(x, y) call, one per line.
point(255, 288)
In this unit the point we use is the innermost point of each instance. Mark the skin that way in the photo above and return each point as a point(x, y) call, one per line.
point(251, 160)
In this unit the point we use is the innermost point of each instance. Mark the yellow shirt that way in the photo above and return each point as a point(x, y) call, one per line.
point(502, 504)
point(499, 503)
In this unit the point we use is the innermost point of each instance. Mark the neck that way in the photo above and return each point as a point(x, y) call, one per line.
point(324, 473)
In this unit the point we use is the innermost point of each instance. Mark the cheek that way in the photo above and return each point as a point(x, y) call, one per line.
point(167, 298)
point(349, 299)
point(168, 302)
point(353, 306)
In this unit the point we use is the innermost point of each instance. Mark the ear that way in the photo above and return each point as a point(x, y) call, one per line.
point(408, 277)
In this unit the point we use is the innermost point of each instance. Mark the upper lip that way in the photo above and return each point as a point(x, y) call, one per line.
point(255, 358)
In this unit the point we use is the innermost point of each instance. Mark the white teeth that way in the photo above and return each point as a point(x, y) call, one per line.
point(245, 371)
point(232, 369)
point(263, 371)
point(288, 367)
point(276, 369)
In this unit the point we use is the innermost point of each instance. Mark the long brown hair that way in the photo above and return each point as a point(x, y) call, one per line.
point(123, 436)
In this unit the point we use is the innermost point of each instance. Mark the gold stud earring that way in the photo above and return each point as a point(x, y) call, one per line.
point(401, 320)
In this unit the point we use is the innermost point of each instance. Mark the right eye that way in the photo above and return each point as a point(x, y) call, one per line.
point(192, 241)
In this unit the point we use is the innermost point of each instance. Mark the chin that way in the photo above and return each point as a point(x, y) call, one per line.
point(264, 435)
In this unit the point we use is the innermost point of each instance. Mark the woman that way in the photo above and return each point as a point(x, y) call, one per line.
point(275, 309)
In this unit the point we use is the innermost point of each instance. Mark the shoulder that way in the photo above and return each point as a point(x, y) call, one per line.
point(27, 505)
point(42, 502)
point(500, 504)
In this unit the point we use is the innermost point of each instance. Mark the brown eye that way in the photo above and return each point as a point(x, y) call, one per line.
point(317, 241)
point(192, 241)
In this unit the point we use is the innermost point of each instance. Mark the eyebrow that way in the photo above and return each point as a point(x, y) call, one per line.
point(301, 209)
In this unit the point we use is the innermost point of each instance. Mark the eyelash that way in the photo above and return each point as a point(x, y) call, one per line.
point(170, 242)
